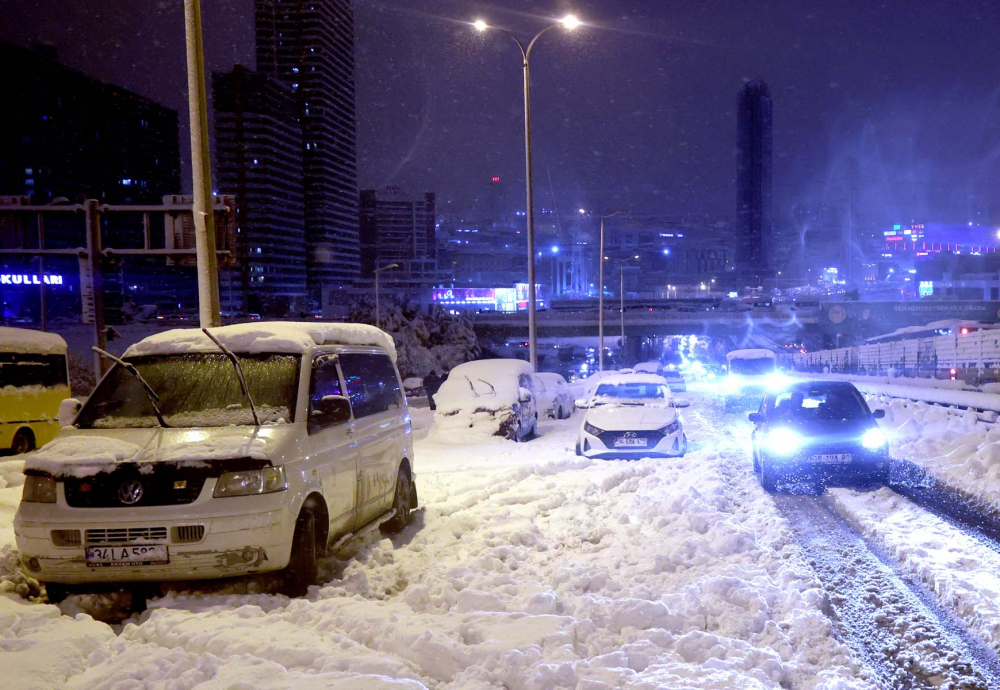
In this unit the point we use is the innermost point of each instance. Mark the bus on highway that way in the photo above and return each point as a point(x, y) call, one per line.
point(34, 380)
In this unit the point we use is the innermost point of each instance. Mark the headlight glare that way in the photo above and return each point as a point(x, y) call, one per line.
point(783, 441)
point(777, 382)
point(266, 480)
point(873, 439)
point(592, 430)
point(38, 489)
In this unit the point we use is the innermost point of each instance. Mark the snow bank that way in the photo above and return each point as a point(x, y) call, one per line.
point(264, 336)
point(27, 341)
point(928, 390)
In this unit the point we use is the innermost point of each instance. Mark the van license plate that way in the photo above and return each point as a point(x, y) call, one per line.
point(630, 442)
point(105, 556)
point(832, 458)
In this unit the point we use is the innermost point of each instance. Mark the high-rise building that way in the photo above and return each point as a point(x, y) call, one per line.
point(754, 257)
point(396, 228)
point(309, 44)
point(65, 134)
point(258, 145)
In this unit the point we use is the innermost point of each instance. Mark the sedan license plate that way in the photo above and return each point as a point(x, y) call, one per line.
point(832, 458)
point(630, 443)
point(109, 556)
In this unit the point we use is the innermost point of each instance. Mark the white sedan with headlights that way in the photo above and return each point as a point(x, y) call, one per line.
point(632, 416)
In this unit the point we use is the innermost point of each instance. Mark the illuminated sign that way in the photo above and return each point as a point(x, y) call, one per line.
point(926, 288)
point(30, 279)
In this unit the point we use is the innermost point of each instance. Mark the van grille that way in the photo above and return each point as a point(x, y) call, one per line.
point(166, 487)
point(126, 535)
point(187, 534)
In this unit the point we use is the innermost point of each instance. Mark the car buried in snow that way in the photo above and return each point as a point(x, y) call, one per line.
point(218, 453)
point(820, 432)
point(631, 416)
point(489, 397)
point(553, 396)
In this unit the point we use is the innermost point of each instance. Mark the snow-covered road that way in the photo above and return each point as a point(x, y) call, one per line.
point(534, 569)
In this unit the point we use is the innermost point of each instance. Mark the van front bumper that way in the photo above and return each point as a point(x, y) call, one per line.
point(231, 545)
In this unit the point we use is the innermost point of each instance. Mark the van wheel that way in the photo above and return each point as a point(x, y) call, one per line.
point(302, 569)
point(55, 592)
point(24, 442)
point(401, 503)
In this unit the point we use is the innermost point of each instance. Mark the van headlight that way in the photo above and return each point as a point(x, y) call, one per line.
point(873, 439)
point(266, 480)
point(783, 441)
point(38, 489)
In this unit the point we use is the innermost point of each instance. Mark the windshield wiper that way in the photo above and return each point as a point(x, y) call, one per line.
point(239, 373)
point(474, 391)
point(130, 368)
point(493, 389)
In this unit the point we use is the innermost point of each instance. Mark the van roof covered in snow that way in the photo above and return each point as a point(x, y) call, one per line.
point(264, 336)
point(26, 341)
point(751, 354)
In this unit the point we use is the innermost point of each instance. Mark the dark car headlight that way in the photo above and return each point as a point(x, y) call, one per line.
point(874, 439)
point(592, 430)
point(671, 428)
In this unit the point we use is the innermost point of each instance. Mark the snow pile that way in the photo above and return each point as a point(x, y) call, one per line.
point(952, 445)
point(961, 571)
point(528, 568)
point(262, 337)
point(26, 341)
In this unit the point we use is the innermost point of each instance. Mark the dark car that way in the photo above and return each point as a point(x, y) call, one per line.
point(821, 432)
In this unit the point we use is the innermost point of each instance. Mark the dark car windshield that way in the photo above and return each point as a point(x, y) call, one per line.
point(806, 404)
point(195, 390)
point(752, 367)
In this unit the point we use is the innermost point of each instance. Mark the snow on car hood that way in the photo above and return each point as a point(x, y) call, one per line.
point(86, 452)
point(631, 417)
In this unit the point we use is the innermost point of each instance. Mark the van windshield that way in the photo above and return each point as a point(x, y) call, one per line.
point(752, 367)
point(195, 390)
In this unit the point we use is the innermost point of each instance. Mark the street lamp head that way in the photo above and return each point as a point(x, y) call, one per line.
point(480, 25)
point(570, 22)
point(583, 211)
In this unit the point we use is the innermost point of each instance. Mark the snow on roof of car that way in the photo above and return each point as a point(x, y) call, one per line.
point(26, 341)
point(264, 336)
point(751, 354)
point(623, 379)
point(551, 376)
point(647, 367)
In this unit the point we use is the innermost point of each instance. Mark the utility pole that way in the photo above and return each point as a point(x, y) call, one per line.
point(93, 271)
point(209, 309)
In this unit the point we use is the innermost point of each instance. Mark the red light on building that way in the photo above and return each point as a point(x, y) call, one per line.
point(496, 179)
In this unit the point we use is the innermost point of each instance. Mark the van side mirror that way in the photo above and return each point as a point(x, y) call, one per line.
point(878, 414)
point(329, 410)
point(68, 409)
point(682, 403)
point(756, 417)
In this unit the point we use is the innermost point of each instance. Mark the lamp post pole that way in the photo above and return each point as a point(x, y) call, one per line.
point(621, 296)
point(569, 22)
point(600, 296)
point(378, 306)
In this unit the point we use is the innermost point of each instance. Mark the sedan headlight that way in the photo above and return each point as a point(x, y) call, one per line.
point(671, 428)
point(266, 480)
point(783, 441)
point(38, 489)
point(592, 430)
point(874, 439)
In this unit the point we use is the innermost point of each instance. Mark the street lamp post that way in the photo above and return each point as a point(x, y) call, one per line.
point(621, 296)
point(378, 310)
point(569, 22)
point(600, 297)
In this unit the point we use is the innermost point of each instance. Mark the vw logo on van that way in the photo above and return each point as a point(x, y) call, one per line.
point(130, 492)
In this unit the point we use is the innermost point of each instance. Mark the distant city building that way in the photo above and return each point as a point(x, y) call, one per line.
point(259, 147)
point(396, 228)
point(755, 254)
point(310, 46)
point(65, 134)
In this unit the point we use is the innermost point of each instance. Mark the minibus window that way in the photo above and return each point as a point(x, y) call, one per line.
point(372, 384)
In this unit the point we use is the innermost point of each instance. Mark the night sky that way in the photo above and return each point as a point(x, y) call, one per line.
point(636, 111)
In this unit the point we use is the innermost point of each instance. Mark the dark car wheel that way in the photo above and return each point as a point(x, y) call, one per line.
point(768, 478)
point(303, 568)
point(401, 503)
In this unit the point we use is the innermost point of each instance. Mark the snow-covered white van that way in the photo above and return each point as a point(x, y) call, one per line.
point(243, 449)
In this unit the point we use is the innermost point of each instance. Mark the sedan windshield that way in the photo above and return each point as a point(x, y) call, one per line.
point(195, 390)
point(637, 393)
point(818, 404)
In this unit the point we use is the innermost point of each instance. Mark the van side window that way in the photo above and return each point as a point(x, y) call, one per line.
point(372, 384)
point(325, 380)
